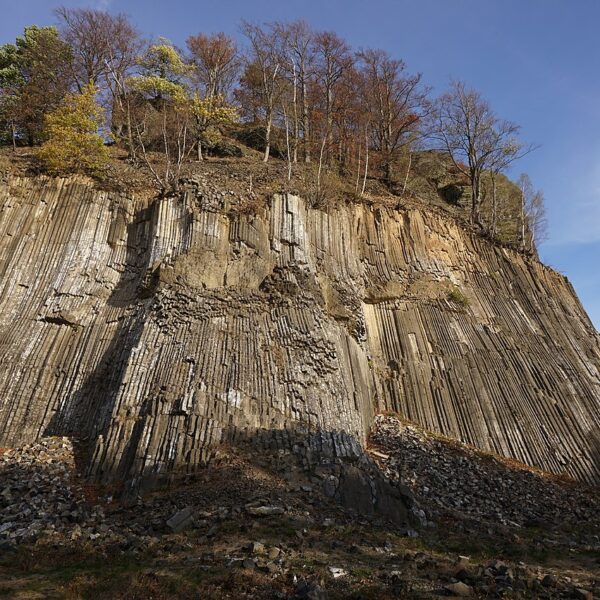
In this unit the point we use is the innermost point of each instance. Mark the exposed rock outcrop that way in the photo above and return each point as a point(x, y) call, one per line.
point(152, 332)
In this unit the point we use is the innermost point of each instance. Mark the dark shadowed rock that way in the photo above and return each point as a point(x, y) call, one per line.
point(181, 520)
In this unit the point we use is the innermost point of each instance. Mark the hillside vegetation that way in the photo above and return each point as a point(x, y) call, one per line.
point(338, 123)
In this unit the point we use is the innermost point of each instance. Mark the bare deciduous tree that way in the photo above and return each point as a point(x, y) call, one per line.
point(396, 101)
point(105, 49)
point(333, 58)
point(264, 61)
point(298, 64)
point(474, 137)
point(533, 225)
point(102, 44)
point(499, 163)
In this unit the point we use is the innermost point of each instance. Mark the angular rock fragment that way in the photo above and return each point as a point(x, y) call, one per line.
point(459, 589)
point(181, 520)
point(264, 511)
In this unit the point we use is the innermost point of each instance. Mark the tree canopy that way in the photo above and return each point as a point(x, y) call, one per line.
point(304, 95)
point(74, 143)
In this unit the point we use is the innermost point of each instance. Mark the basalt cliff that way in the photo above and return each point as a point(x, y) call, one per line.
point(152, 331)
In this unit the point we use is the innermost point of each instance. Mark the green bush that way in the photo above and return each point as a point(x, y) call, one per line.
point(457, 297)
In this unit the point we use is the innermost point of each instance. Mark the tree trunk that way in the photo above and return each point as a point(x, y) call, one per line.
point(388, 170)
point(522, 232)
point(494, 208)
point(341, 157)
point(387, 151)
point(329, 122)
point(305, 122)
point(287, 143)
point(296, 123)
point(268, 136)
point(167, 177)
point(407, 172)
point(130, 142)
point(358, 170)
point(475, 200)
point(364, 185)
point(321, 164)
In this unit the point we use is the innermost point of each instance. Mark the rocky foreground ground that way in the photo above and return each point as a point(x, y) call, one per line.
point(244, 529)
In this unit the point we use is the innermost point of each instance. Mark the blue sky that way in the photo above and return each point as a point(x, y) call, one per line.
point(536, 61)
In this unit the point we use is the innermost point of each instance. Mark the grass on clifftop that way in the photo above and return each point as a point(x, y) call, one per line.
point(429, 180)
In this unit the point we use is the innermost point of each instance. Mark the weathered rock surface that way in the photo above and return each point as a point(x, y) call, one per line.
point(153, 332)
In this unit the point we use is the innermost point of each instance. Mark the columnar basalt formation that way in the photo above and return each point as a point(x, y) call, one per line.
point(153, 331)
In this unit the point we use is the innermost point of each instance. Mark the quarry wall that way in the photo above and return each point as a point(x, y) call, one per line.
point(153, 331)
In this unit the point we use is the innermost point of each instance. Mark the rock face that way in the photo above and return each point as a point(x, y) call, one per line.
point(152, 332)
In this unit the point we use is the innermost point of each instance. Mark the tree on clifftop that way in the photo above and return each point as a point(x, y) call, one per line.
point(104, 51)
point(33, 80)
point(533, 226)
point(209, 113)
point(263, 74)
point(74, 144)
point(162, 114)
point(475, 138)
point(396, 103)
point(215, 64)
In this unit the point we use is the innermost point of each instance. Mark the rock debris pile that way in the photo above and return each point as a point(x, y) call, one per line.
point(36, 495)
point(449, 477)
point(264, 517)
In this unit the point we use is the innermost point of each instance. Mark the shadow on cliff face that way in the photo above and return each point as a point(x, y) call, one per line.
point(595, 450)
point(92, 415)
point(86, 414)
point(328, 463)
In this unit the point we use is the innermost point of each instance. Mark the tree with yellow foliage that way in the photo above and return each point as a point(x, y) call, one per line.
point(162, 116)
point(169, 120)
point(73, 141)
point(210, 112)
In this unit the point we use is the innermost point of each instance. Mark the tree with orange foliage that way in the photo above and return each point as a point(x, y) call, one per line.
point(216, 63)
point(396, 103)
